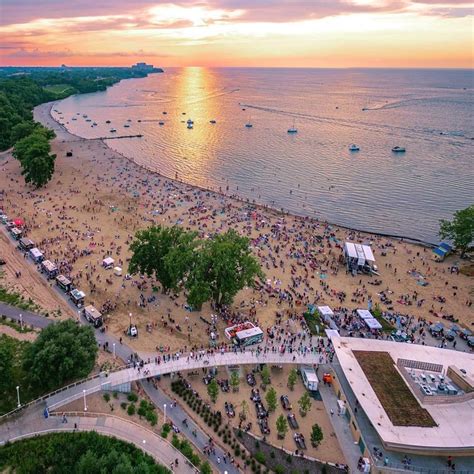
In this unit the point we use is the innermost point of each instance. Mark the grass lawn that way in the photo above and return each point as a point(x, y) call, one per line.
point(401, 406)
point(60, 89)
point(314, 320)
point(386, 326)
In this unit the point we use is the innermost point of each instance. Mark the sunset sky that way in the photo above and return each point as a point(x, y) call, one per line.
point(294, 33)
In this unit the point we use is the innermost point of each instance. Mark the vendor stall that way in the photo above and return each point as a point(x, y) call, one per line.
point(49, 269)
point(372, 323)
point(63, 283)
point(16, 233)
point(36, 255)
point(108, 263)
point(77, 297)
point(364, 314)
point(25, 244)
point(118, 271)
point(327, 315)
point(93, 316)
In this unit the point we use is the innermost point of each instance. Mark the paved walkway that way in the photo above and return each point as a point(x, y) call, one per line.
point(33, 423)
point(183, 363)
point(176, 415)
point(28, 317)
point(340, 425)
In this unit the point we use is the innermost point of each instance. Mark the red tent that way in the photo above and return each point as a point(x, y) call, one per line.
point(19, 222)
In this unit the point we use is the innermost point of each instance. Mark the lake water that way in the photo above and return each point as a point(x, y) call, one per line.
point(312, 172)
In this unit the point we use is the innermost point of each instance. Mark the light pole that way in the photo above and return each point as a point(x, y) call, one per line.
point(113, 346)
point(85, 401)
point(18, 395)
point(164, 411)
point(21, 322)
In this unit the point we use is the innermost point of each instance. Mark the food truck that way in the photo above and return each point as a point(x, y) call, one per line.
point(77, 297)
point(16, 233)
point(36, 255)
point(64, 283)
point(49, 268)
point(93, 316)
point(25, 244)
point(310, 379)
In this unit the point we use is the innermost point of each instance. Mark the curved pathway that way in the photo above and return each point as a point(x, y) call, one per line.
point(124, 376)
point(148, 441)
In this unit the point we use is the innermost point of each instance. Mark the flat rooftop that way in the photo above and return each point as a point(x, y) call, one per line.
point(455, 421)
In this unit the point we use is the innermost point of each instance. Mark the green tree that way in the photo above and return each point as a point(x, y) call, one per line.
point(460, 230)
point(206, 468)
point(166, 253)
point(271, 399)
point(234, 381)
point(305, 404)
point(292, 378)
point(32, 152)
point(62, 352)
point(265, 374)
point(6, 364)
point(316, 435)
point(245, 407)
point(224, 266)
point(281, 426)
point(213, 390)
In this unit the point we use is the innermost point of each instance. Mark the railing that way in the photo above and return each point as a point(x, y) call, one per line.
point(59, 390)
point(399, 467)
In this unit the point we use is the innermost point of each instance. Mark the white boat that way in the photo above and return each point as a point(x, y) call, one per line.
point(353, 147)
point(190, 125)
point(113, 130)
point(293, 129)
point(399, 149)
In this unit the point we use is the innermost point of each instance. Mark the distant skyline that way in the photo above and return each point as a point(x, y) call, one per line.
point(266, 33)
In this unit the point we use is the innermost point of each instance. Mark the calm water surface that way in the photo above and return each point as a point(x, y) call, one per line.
point(312, 172)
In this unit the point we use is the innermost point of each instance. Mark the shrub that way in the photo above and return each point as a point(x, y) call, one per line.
point(115, 394)
point(206, 468)
point(124, 405)
point(152, 418)
point(272, 454)
point(131, 409)
point(106, 396)
point(175, 441)
point(260, 457)
point(288, 459)
point(279, 469)
point(132, 397)
point(141, 411)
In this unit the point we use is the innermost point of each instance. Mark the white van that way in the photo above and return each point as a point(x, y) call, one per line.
point(310, 379)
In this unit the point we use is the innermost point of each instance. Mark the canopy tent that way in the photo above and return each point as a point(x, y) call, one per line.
point(19, 222)
point(108, 262)
point(325, 311)
point(372, 323)
point(118, 271)
point(440, 252)
point(365, 314)
point(359, 252)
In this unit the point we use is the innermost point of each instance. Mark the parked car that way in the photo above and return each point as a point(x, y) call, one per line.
point(450, 335)
point(465, 334)
point(285, 402)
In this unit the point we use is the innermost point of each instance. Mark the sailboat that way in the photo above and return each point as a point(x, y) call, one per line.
point(293, 129)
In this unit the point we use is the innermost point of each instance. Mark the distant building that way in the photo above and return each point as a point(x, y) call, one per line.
point(143, 67)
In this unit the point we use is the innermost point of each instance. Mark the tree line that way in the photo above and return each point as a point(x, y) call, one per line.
point(213, 269)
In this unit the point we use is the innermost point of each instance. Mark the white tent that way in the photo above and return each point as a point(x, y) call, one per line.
point(108, 262)
point(325, 311)
point(372, 323)
point(364, 314)
point(118, 271)
point(361, 253)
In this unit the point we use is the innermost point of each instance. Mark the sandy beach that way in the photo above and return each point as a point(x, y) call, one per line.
point(98, 199)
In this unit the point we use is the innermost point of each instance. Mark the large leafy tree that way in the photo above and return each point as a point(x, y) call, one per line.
point(224, 266)
point(460, 230)
point(316, 435)
point(33, 153)
point(305, 403)
point(62, 352)
point(166, 253)
point(271, 399)
point(281, 426)
point(6, 364)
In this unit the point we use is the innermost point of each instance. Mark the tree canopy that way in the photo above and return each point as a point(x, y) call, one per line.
point(33, 153)
point(223, 267)
point(62, 352)
point(214, 269)
point(460, 229)
point(81, 453)
point(166, 253)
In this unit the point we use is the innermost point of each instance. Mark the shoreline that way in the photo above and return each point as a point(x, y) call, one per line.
point(241, 199)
